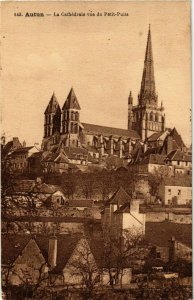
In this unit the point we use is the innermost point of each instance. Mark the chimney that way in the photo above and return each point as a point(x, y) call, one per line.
point(52, 252)
point(171, 244)
point(24, 144)
point(145, 147)
point(134, 206)
point(16, 143)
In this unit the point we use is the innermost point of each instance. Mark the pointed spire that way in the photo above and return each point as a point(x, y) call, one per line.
point(71, 101)
point(130, 99)
point(53, 105)
point(147, 91)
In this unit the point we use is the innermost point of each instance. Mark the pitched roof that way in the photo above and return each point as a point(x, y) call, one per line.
point(71, 101)
point(159, 233)
point(179, 155)
point(80, 203)
point(119, 197)
point(177, 181)
point(73, 152)
point(22, 150)
point(177, 137)
point(155, 136)
point(45, 188)
point(107, 131)
point(53, 105)
point(154, 159)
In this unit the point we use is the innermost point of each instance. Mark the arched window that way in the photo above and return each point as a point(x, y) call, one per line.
point(72, 115)
point(151, 116)
point(156, 117)
point(77, 116)
point(72, 128)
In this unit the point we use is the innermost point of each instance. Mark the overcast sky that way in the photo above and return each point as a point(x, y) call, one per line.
point(101, 57)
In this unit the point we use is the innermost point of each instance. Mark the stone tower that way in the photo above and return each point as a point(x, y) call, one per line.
point(130, 111)
point(70, 124)
point(148, 117)
point(52, 119)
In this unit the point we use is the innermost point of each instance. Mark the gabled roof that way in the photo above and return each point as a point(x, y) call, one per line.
point(153, 159)
point(108, 131)
point(61, 158)
point(53, 106)
point(155, 136)
point(45, 188)
point(119, 197)
point(71, 101)
point(159, 233)
point(177, 181)
point(22, 150)
point(177, 137)
point(178, 155)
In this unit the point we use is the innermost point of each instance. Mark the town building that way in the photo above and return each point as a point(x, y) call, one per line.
point(176, 191)
point(121, 212)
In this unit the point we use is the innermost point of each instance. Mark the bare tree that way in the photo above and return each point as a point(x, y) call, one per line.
point(121, 253)
point(84, 267)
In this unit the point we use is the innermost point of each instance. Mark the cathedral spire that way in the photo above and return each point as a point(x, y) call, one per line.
point(147, 92)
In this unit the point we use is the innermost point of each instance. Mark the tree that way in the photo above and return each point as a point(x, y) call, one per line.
point(84, 269)
point(121, 253)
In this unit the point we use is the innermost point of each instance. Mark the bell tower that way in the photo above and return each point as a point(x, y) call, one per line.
point(52, 119)
point(71, 119)
point(148, 116)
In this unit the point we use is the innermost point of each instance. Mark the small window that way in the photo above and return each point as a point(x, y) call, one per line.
point(178, 162)
point(169, 191)
point(179, 192)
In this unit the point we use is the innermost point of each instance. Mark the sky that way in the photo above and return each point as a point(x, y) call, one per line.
point(101, 57)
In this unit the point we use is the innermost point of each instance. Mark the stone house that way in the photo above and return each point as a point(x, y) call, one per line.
point(122, 212)
point(54, 263)
point(176, 191)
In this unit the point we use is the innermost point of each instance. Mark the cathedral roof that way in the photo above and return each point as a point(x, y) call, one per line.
point(108, 131)
point(71, 101)
point(53, 105)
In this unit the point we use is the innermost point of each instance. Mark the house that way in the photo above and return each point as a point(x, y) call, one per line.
point(17, 155)
point(176, 190)
point(160, 234)
point(53, 263)
point(162, 153)
point(121, 212)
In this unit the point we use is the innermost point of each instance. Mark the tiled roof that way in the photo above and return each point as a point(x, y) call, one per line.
point(13, 245)
point(179, 155)
point(155, 136)
point(108, 131)
point(177, 181)
point(23, 186)
point(177, 137)
point(45, 188)
point(71, 101)
point(119, 197)
point(158, 233)
point(22, 150)
point(36, 155)
point(61, 158)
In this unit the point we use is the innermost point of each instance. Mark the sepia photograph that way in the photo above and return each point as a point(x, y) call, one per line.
point(96, 150)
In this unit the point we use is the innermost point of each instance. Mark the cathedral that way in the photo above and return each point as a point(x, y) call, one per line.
point(67, 140)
